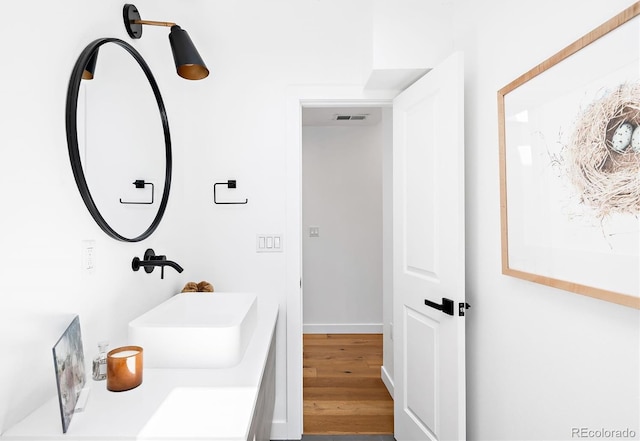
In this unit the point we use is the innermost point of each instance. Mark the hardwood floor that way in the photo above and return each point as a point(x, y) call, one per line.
point(342, 390)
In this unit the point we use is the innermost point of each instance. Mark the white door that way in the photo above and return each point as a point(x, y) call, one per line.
point(428, 256)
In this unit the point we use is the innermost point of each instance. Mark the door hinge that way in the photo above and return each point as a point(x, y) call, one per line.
point(462, 307)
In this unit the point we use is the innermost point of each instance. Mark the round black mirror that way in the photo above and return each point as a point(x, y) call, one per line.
point(113, 137)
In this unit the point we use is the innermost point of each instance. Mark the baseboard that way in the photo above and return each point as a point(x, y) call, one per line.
point(346, 328)
point(387, 380)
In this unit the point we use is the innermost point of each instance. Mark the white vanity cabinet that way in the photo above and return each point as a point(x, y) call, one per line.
point(263, 414)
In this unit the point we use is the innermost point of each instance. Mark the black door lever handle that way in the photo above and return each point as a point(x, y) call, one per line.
point(446, 306)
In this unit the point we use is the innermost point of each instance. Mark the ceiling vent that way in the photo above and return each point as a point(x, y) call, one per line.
point(360, 117)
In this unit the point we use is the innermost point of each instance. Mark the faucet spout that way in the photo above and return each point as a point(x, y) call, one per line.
point(173, 265)
point(150, 261)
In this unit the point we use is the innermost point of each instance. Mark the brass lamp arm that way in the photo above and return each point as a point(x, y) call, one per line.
point(133, 22)
point(154, 23)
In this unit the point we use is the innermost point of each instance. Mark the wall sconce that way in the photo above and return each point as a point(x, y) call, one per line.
point(189, 64)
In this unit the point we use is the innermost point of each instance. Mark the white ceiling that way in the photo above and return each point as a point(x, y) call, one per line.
point(326, 116)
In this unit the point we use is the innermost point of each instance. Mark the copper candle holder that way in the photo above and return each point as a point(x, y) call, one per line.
point(124, 368)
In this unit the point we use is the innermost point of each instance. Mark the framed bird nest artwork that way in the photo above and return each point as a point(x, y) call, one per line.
point(569, 132)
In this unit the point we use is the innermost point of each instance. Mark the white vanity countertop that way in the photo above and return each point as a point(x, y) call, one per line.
point(170, 404)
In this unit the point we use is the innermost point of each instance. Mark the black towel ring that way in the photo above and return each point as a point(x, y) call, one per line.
point(139, 183)
point(231, 183)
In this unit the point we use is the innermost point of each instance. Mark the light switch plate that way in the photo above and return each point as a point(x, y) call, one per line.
point(269, 243)
point(89, 256)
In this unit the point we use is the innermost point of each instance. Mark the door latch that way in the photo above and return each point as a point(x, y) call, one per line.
point(461, 308)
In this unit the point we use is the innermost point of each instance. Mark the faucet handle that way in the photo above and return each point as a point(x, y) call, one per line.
point(149, 255)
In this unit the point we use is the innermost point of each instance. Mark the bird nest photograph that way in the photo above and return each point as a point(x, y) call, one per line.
point(603, 154)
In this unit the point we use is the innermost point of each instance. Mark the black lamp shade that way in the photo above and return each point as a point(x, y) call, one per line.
point(90, 68)
point(189, 64)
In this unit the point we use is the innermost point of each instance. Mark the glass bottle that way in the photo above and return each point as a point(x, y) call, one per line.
point(100, 362)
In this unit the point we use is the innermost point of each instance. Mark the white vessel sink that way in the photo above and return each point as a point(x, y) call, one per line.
point(196, 330)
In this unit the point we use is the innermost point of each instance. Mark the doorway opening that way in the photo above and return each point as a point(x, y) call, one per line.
point(428, 120)
point(346, 266)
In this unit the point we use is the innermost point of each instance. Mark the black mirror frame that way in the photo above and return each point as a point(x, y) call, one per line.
point(72, 137)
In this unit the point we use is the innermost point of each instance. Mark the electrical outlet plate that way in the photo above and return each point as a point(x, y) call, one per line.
point(89, 256)
point(269, 243)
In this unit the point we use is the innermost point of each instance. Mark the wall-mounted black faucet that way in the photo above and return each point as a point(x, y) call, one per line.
point(150, 261)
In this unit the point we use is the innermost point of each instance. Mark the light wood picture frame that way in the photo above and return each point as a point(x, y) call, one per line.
point(569, 135)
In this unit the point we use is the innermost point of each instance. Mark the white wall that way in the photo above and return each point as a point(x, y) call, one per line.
point(408, 38)
point(539, 360)
point(231, 125)
point(401, 28)
point(342, 196)
point(43, 219)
